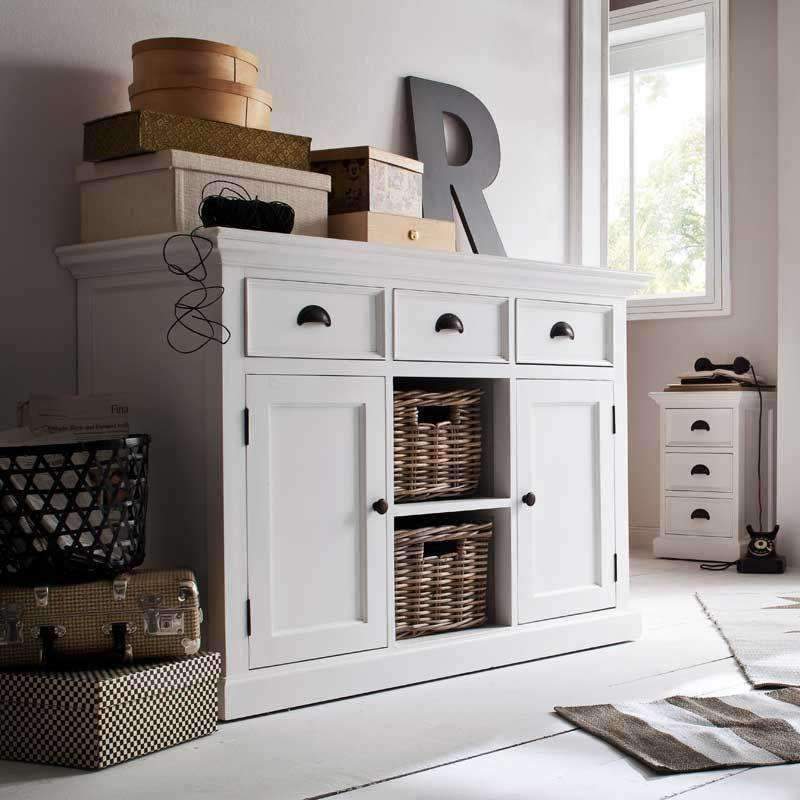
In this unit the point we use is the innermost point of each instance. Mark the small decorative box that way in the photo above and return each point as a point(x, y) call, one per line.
point(161, 193)
point(370, 226)
point(368, 179)
point(92, 719)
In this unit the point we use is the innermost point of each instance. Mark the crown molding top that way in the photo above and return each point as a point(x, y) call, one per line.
point(275, 252)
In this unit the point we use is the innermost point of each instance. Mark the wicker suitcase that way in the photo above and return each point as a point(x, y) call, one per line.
point(142, 615)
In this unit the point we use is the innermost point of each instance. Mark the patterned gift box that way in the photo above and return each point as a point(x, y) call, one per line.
point(94, 718)
point(137, 132)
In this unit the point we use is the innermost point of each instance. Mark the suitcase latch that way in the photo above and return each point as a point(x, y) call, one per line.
point(42, 596)
point(10, 626)
point(187, 591)
point(120, 587)
point(163, 621)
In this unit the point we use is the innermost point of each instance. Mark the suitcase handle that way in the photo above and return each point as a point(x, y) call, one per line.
point(121, 650)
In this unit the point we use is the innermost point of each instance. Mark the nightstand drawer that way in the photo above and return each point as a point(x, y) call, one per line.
point(290, 319)
point(698, 426)
point(437, 326)
point(704, 472)
point(564, 333)
point(699, 516)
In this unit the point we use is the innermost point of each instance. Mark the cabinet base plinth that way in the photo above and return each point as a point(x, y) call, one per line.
point(698, 548)
point(260, 691)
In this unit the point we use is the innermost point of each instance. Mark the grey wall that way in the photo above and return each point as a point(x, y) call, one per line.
point(659, 350)
point(789, 277)
point(335, 70)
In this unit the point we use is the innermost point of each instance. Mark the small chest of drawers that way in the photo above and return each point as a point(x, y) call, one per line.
point(710, 484)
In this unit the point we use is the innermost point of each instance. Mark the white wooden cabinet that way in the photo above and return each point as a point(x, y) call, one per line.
point(270, 454)
point(709, 471)
point(567, 546)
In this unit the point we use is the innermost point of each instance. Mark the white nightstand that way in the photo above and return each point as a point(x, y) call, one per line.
point(709, 471)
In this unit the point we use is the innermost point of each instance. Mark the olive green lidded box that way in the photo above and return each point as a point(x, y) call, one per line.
point(137, 132)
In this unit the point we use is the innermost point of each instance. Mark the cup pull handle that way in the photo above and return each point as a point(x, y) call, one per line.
point(562, 329)
point(449, 322)
point(700, 469)
point(700, 425)
point(314, 314)
point(700, 513)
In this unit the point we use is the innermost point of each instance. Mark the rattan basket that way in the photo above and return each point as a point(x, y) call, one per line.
point(437, 444)
point(441, 575)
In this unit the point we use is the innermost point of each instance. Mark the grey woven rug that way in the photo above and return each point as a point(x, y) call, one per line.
point(687, 734)
point(762, 630)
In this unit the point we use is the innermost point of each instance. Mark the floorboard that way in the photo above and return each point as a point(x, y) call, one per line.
point(488, 735)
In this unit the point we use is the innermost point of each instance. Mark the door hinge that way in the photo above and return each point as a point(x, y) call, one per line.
point(249, 623)
point(246, 427)
point(613, 419)
point(615, 567)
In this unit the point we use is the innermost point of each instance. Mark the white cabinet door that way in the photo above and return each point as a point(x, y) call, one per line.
point(566, 503)
point(316, 462)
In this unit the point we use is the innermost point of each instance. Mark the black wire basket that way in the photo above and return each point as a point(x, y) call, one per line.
point(73, 511)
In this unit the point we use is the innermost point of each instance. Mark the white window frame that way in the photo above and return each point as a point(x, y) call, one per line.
point(717, 299)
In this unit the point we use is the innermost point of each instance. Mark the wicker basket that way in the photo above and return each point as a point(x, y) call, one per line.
point(440, 578)
point(437, 444)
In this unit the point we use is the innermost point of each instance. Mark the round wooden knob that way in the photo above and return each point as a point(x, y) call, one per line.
point(413, 234)
point(529, 499)
point(381, 506)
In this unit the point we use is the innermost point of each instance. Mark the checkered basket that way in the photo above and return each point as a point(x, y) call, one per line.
point(73, 511)
point(94, 718)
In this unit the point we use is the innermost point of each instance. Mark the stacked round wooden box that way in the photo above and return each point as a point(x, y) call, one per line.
point(198, 78)
point(198, 122)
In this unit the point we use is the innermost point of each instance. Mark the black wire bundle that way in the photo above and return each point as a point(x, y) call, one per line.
point(231, 207)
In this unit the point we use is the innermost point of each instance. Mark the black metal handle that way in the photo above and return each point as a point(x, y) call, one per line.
point(316, 314)
point(121, 650)
point(562, 329)
point(449, 322)
point(381, 506)
point(700, 425)
point(700, 513)
point(529, 499)
point(700, 469)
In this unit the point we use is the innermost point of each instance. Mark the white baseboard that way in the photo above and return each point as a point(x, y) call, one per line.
point(643, 535)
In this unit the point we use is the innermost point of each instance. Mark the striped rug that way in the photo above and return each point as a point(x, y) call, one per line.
point(687, 734)
point(763, 631)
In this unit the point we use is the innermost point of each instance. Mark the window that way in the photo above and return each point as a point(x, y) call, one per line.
point(667, 170)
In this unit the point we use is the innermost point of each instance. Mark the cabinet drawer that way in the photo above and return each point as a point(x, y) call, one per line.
point(435, 326)
point(564, 333)
point(687, 515)
point(698, 426)
point(710, 472)
point(313, 320)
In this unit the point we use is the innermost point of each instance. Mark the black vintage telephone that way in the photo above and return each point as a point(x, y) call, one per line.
point(740, 365)
point(761, 554)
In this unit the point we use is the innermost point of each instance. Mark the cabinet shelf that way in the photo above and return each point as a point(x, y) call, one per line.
point(450, 506)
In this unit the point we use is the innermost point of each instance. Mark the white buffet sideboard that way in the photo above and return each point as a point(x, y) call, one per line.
point(269, 453)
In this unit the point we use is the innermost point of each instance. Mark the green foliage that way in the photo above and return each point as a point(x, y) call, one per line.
point(669, 230)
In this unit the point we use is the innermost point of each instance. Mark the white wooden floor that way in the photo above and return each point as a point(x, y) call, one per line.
point(486, 736)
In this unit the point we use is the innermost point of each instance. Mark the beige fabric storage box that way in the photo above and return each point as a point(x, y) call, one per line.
point(368, 179)
point(161, 193)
